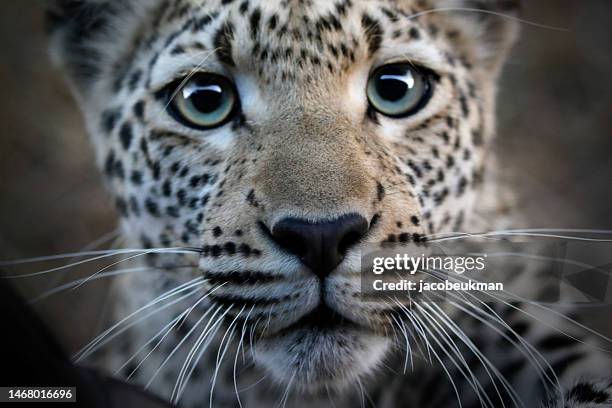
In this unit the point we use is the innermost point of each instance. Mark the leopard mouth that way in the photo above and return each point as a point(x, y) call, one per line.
point(321, 319)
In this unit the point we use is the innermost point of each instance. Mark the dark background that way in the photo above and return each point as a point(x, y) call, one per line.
point(555, 136)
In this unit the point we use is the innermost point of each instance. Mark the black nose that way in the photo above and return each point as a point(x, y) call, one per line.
point(321, 246)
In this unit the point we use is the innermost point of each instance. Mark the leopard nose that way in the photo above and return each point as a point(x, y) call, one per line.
point(321, 246)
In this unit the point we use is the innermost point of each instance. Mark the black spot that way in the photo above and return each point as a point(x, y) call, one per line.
point(134, 79)
point(167, 188)
point(156, 170)
point(251, 198)
point(178, 50)
point(217, 232)
point(151, 207)
point(415, 220)
point(584, 392)
point(109, 164)
point(461, 186)
point(254, 22)
point(125, 134)
point(201, 23)
point(273, 22)
point(404, 237)
point(414, 33)
point(230, 248)
point(223, 44)
point(109, 119)
point(138, 110)
point(215, 250)
point(244, 249)
point(380, 191)
point(194, 181)
point(465, 110)
point(136, 177)
point(373, 32)
point(418, 237)
point(244, 6)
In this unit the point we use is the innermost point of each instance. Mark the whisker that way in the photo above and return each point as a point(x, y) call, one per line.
point(175, 323)
point(484, 11)
point(107, 254)
point(100, 339)
point(463, 368)
point(117, 272)
point(163, 333)
point(81, 254)
point(479, 355)
point(528, 350)
point(240, 344)
point(208, 333)
point(231, 330)
point(511, 233)
point(426, 308)
point(402, 328)
point(413, 319)
point(180, 343)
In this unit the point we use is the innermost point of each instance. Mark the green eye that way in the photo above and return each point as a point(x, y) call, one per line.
point(398, 90)
point(205, 101)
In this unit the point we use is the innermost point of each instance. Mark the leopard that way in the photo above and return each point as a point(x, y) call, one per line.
point(253, 150)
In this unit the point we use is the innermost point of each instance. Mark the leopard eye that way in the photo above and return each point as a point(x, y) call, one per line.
point(398, 90)
point(204, 101)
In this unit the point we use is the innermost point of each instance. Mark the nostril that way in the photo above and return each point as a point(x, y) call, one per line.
point(320, 245)
point(286, 239)
point(348, 241)
point(291, 242)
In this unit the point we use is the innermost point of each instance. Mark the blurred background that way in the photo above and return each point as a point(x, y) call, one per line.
point(555, 136)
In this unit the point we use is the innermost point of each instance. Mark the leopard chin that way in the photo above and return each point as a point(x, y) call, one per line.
point(318, 359)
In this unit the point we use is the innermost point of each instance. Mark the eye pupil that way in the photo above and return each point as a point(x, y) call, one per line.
point(207, 99)
point(392, 87)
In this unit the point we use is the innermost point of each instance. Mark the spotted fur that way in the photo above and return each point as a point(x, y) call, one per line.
point(304, 144)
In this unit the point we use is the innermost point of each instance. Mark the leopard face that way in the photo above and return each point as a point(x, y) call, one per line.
point(279, 137)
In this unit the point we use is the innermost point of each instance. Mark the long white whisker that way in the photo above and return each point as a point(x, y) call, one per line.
point(163, 333)
point(483, 11)
point(463, 368)
point(181, 318)
point(402, 328)
point(85, 351)
point(208, 332)
point(413, 319)
point(528, 350)
point(180, 343)
point(109, 252)
point(231, 329)
point(481, 357)
point(240, 345)
point(74, 283)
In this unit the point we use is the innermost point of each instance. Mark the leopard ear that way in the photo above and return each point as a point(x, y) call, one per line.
point(74, 28)
point(489, 26)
